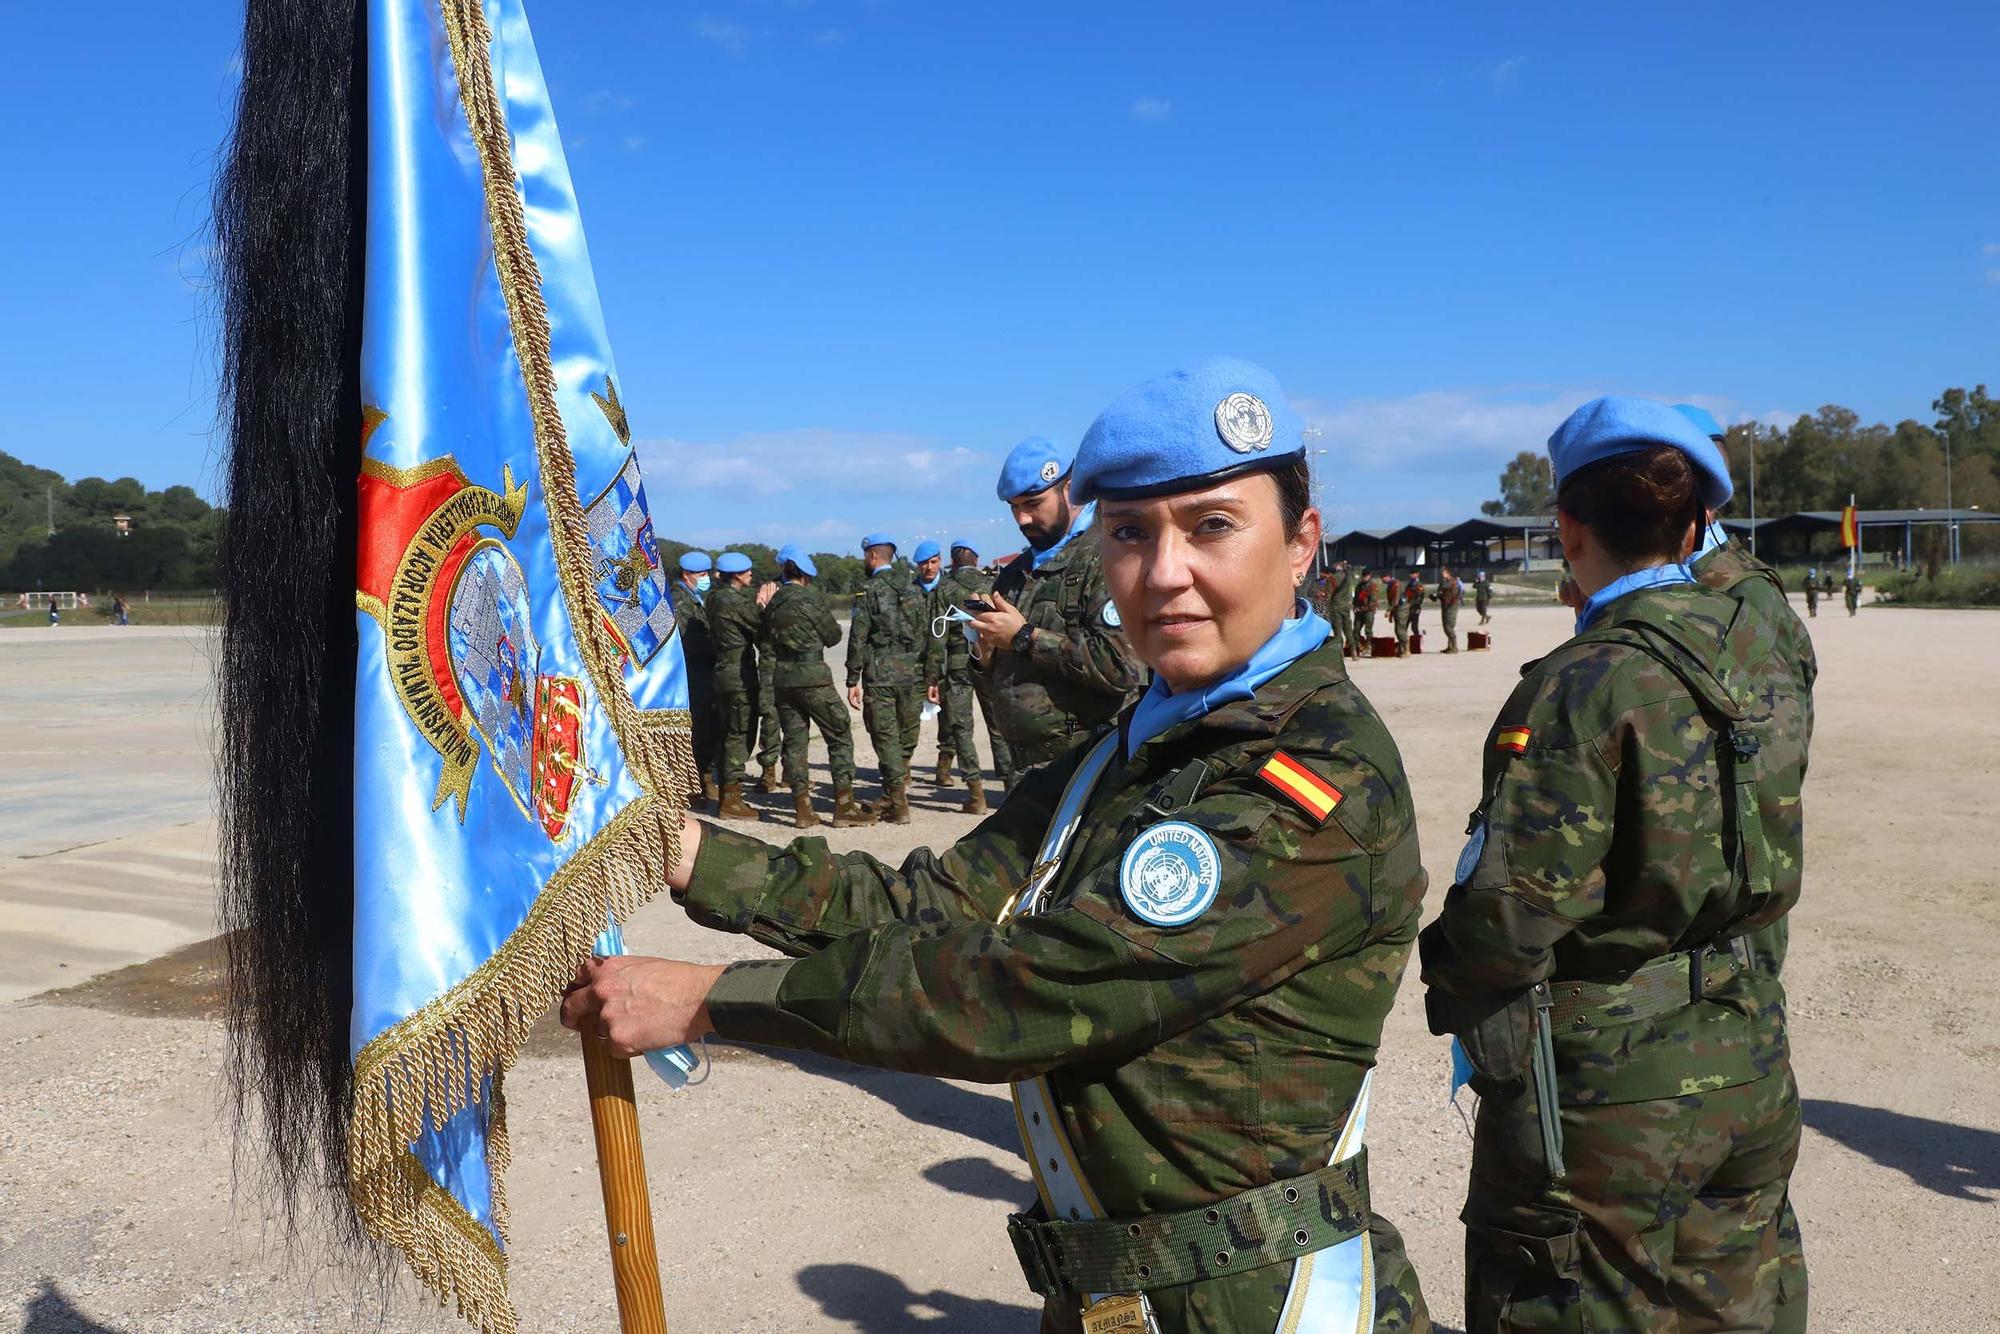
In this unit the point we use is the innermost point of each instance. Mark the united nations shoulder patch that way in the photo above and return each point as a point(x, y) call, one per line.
point(1170, 874)
point(1111, 615)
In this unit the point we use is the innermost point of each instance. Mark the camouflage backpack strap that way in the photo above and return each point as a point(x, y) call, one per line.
point(1727, 709)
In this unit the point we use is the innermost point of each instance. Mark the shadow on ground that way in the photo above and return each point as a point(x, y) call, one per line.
point(880, 1303)
point(982, 1180)
point(1962, 1162)
point(49, 1312)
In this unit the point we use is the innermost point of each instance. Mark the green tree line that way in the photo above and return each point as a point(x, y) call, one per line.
point(1819, 460)
point(172, 537)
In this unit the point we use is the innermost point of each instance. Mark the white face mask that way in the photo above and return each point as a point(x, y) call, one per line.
point(960, 614)
point(701, 583)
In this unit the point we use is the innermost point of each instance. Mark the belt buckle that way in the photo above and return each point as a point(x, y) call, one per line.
point(1036, 1265)
point(1122, 1311)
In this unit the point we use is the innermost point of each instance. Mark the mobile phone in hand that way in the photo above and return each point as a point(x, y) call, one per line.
point(979, 605)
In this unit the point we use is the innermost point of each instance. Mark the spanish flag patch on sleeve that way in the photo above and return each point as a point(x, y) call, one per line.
point(1307, 790)
point(1512, 738)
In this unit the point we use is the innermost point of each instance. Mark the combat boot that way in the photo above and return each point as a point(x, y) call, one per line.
point(708, 791)
point(899, 805)
point(975, 795)
point(802, 811)
point(769, 782)
point(847, 811)
point(944, 778)
point(732, 807)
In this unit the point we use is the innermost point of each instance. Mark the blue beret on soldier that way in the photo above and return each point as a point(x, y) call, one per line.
point(695, 562)
point(964, 544)
point(925, 550)
point(1702, 418)
point(796, 554)
point(1189, 428)
point(878, 540)
point(732, 562)
point(1605, 428)
point(1032, 467)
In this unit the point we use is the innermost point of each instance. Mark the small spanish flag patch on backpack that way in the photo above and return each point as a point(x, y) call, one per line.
point(1513, 738)
point(1308, 791)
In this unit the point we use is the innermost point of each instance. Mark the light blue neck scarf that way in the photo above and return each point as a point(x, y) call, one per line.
point(930, 587)
point(1160, 708)
point(1651, 577)
point(1037, 559)
point(1712, 539)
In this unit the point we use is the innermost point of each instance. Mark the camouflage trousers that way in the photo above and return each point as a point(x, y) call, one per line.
point(1367, 623)
point(1003, 755)
point(799, 709)
point(1250, 1302)
point(1448, 618)
point(892, 715)
point(955, 705)
point(1674, 1215)
point(1399, 620)
point(738, 725)
point(1343, 627)
point(770, 731)
point(706, 722)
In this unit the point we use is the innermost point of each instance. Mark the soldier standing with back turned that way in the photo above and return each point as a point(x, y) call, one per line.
point(885, 646)
point(948, 666)
point(1638, 1121)
point(1450, 592)
point(1052, 649)
point(1340, 606)
point(698, 651)
point(799, 627)
point(737, 623)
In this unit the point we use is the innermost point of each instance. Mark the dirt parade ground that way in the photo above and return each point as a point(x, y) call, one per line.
point(798, 1194)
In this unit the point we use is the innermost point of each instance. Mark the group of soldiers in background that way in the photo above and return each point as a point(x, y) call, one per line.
point(1350, 600)
point(1819, 585)
point(1030, 643)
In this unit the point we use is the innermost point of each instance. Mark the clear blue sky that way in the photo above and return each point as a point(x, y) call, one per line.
point(852, 251)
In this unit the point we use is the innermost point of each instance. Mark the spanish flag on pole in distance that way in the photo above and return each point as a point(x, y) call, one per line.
point(1850, 528)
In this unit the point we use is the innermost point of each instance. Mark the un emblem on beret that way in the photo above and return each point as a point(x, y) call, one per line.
point(1170, 874)
point(1051, 470)
point(1244, 423)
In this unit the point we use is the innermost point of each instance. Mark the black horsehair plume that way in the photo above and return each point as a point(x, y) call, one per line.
point(289, 227)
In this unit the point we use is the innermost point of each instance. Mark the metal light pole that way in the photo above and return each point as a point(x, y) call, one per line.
point(1318, 498)
point(1950, 515)
point(1753, 488)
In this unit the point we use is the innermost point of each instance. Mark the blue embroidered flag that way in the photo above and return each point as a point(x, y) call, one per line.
point(521, 729)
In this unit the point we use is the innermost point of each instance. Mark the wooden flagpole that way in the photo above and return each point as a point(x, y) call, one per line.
point(621, 1171)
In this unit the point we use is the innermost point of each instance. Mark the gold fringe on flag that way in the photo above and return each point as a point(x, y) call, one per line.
point(438, 1060)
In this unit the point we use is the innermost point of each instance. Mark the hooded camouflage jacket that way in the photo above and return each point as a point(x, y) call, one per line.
point(1078, 671)
point(1607, 837)
point(1786, 684)
point(799, 628)
point(1188, 1063)
point(888, 630)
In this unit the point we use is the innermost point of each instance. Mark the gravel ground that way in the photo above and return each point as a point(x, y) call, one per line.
point(802, 1194)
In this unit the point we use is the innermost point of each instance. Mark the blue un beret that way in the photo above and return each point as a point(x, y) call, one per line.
point(1032, 467)
point(796, 554)
point(732, 562)
point(1702, 418)
point(695, 562)
point(925, 550)
point(1605, 428)
point(1187, 429)
point(964, 544)
point(877, 540)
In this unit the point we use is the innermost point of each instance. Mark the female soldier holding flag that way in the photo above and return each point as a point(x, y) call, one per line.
point(1178, 942)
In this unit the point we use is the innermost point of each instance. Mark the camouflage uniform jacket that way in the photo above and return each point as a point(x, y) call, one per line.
point(949, 656)
point(697, 640)
point(1609, 827)
point(798, 628)
point(1337, 587)
point(1365, 594)
point(1079, 670)
point(737, 622)
point(888, 631)
point(1450, 592)
point(1188, 1063)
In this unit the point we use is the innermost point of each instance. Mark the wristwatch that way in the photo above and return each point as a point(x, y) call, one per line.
point(1024, 640)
